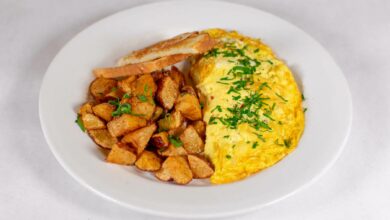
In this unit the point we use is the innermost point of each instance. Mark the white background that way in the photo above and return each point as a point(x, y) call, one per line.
point(34, 186)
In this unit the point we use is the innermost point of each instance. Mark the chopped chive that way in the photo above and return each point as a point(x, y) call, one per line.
point(303, 97)
point(304, 110)
point(80, 123)
point(126, 96)
point(254, 145)
point(175, 141)
point(228, 156)
point(226, 136)
point(287, 142)
point(281, 97)
point(142, 98)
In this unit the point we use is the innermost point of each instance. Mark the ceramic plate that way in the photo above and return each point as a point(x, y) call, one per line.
point(66, 82)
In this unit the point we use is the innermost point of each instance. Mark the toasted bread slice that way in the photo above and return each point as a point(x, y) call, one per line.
point(139, 68)
point(186, 43)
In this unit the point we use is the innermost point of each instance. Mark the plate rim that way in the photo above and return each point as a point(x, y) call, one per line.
point(168, 214)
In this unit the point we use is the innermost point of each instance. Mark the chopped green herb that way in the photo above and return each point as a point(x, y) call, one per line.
point(233, 146)
point(268, 116)
point(254, 145)
point(226, 136)
point(212, 120)
point(175, 141)
point(260, 136)
point(228, 156)
point(218, 108)
point(264, 84)
point(281, 97)
point(257, 50)
point(80, 123)
point(287, 142)
point(222, 83)
point(124, 108)
point(114, 102)
point(236, 97)
point(303, 97)
point(304, 110)
point(142, 98)
point(279, 122)
point(126, 96)
point(114, 89)
point(201, 105)
point(277, 143)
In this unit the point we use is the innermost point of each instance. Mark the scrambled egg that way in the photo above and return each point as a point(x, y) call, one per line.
point(253, 106)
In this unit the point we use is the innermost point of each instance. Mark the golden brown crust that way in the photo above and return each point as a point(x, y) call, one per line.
point(139, 68)
point(186, 43)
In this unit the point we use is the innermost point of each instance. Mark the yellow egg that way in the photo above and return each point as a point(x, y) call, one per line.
point(253, 106)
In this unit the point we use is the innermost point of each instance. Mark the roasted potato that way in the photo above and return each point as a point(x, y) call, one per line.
point(177, 76)
point(144, 85)
point(91, 121)
point(160, 140)
point(188, 89)
point(115, 93)
point(200, 127)
point(175, 168)
point(170, 121)
point(100, 87)
point(140, 138)
point(171, 150)
point(143, 107)
point(177, 131)
point(192, 141)
point(148, 161)
point(124, 124)
point(157, 113)
point(104, 111)
point(188, 105)
point(121, 154)
point(85, 108)
point(103, 138)
point(125, 84)
point(167, 92)
point(157, 75)
point(200, 167)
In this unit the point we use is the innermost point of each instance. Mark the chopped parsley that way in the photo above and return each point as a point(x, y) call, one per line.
point(175, 141)
point(254, 145)
point(80, 123)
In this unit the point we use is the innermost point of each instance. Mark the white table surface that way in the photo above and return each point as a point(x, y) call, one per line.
point(34, 186)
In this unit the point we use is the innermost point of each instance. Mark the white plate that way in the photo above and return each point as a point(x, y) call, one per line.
point(66, 81)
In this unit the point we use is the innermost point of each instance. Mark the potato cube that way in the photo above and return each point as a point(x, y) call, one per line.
point(172, 151)
point(104, 111)
point(160, 140)
point(143, 107)
point(101, 86)
point(188, 105)
point(140, 138)
point(121, 154)
point(103, 138)
point(200, 127)
point(177, 76)
point(124, 124)
point(167, 92)
point(125, 84)
point(192, 141)
point(91, 121)
point(144, 85)
point(175, 168)
point(200, 167)
point(157, 113)
point(85, 108)
point(170, 121)
point(148, 161)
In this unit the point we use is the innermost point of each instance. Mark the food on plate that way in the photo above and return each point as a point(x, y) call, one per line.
point(236, 112)
point(253, 107)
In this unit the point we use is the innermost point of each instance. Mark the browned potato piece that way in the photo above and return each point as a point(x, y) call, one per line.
point(103, 138)
point(188, 105)
point(144, 107)
point(157, 75)
point(167, 92)
point(91, 121)
point(85, 108)
point(177, 76)
point(200, 127)
point(125, 84)
point(124, 124)
point(172, 151)
point(192, 141)
point(175, 168)
point(160, 140)
point(104, 111)
point(157, 113)
point(121, 154)
point(115, 93)
point(144, 85)
point(140, 138)
point(101, 86)
point(188, 89)
point(170, 121)
point(177, 131)
point(148, 161)
point(200, 167)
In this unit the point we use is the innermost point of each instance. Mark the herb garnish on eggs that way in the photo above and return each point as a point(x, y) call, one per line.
point(253, 110)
